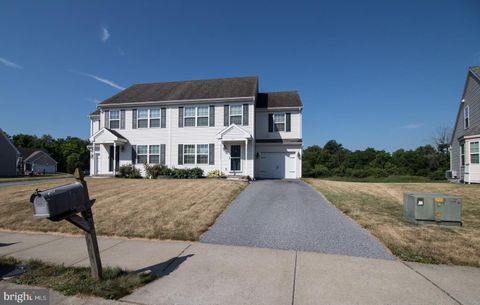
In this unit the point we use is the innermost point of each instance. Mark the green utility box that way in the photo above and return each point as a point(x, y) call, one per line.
point(432, 208)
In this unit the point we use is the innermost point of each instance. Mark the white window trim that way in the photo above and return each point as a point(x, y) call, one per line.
point(110, 119)
point(284, 121)
point(230, 113)
point(474, 153)
point(149, 118)
point(466, 116)
point(195, 154)
point(196, 116)
point(148, 153)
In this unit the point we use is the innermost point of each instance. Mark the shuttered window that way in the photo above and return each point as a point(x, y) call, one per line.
point(142, 154)
point(474, 153)
point(114, 121)
point(236, 113)
point(154, 154)
point(189, 154)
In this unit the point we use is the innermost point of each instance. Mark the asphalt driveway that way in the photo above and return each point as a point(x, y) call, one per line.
point(289, 214)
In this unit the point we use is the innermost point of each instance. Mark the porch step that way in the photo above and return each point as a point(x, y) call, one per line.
point(102, 176)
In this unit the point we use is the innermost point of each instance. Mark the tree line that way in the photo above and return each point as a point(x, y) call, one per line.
point(69, 152)
point(334, 160)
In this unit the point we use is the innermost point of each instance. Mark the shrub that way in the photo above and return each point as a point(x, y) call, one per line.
point(215, 174)
point(360, 173)
point(154, 171)
point(187, 173)
point(437, 175)
point(129, 171)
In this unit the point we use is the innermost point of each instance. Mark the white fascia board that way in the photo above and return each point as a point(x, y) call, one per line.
point(176, 102)
point(278, 108)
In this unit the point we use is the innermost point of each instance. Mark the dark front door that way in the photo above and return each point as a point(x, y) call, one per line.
point(117, 158)
point(235, 153)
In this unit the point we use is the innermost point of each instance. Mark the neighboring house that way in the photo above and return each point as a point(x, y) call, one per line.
point(37, 161)
point(10, 157)
point(217, 124)
point(464, 146)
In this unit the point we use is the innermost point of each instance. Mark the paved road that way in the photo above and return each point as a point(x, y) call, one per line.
point(289, 214)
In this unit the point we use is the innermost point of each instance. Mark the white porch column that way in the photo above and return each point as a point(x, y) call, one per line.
point(114, 158)
point(246, 155)
point(94, 160)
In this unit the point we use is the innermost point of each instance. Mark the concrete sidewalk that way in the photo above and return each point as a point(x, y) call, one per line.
point(197, 273)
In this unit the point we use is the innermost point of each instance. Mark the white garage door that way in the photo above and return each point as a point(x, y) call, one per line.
point(277, 165)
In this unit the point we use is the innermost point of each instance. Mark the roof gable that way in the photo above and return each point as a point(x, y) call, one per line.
point(8, 142)
point(186, 90)
point(233, 132)
point(106, 135)
point(41, 157)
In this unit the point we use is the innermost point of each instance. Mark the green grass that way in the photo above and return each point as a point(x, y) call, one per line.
point(389, 179)
point(28, 178)
point(116, 282)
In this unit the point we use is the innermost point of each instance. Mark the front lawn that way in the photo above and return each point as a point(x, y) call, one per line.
point(161, 209)
point(378, 208)
point(28, 178)
point(116, 283)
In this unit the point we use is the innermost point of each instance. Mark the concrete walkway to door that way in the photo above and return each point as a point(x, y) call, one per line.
point(290, 215)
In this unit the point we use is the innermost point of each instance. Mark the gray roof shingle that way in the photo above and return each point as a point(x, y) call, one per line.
point(475, 71)
point(279, 99)
point(186, 90)
point(96, 112)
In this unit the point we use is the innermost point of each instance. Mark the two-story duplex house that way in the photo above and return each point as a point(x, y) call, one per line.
point(464, 146)
point(216, 124)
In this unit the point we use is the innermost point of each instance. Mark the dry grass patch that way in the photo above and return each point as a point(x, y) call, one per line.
point(163, 209)
point(378, 208)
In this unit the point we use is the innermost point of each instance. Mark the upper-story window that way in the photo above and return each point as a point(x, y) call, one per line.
point(279, 122)
point(148, 118)
point(474, 153)
point(466, 117)
point(236, 113)
point(196, 116)
point(114, 119)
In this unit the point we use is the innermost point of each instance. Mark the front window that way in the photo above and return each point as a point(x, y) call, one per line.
point(236, 114)
point(114, 119)
point(142, 120)
point(462, 154)
point(202, 116)
point(189, 154)
point(154, 118)
point(142, 154)
point(154, 154)
point(202, 153)
point(279, 122)
point(474, 153)
point(466, 117)
point(189, 116)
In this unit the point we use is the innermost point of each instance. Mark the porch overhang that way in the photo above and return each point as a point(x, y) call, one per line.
point(107, 136)
point(234, 133)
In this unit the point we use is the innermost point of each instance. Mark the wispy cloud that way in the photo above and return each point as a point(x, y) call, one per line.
point(101, 79)
point(93, 100)
point(105, 34)
point(9, 64)
point(121, 52)
point(412, 126)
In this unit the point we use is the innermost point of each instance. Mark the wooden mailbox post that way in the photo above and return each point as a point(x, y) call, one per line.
point(64, 203)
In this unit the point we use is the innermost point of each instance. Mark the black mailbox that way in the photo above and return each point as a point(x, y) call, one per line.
point(59, 202)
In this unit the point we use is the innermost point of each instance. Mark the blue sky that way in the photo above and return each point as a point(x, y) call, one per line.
point(382, 74)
